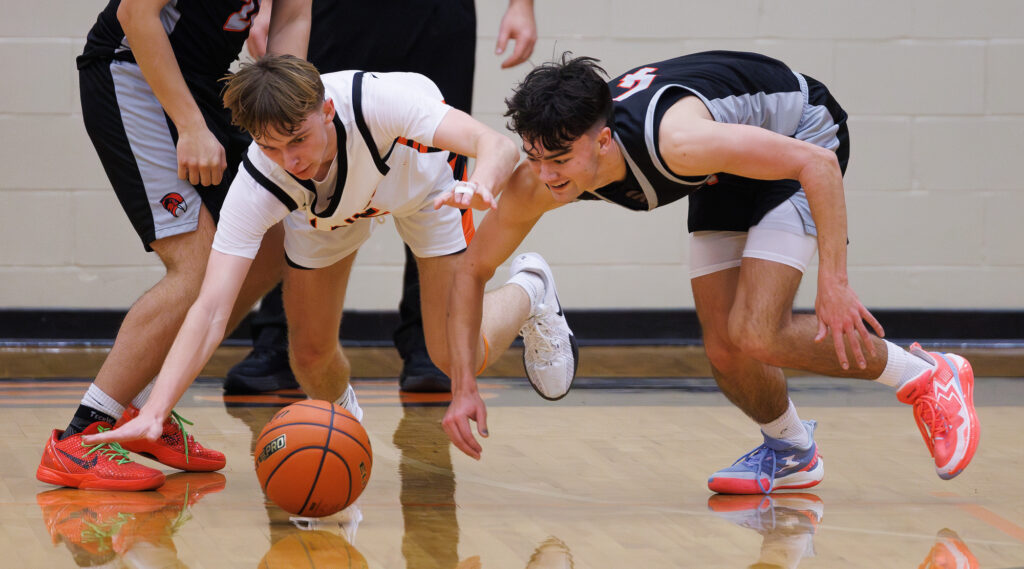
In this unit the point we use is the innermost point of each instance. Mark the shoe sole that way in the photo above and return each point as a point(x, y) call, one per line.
point(92, 482)
point(966, 379)
point(176, 460)
point(795, 481)
point(575, 368)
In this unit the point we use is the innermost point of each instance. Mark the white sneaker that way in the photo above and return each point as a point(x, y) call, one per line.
point(551, 354)
point(352, 404)
point(347, 521)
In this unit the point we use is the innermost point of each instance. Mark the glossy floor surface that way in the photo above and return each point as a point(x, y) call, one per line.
point(612, 476)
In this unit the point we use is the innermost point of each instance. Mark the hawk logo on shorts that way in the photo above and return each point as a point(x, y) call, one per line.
point(174, 203)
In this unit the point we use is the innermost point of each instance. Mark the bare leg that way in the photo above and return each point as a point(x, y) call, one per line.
point(504, 311)
point(762, 323)
point(153, 321)
point(313, 303)
point(758, 389)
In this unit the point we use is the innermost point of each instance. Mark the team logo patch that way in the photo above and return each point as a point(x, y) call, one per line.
point(174, 203)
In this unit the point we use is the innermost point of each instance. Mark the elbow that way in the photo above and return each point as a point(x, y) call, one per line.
point(126, 12)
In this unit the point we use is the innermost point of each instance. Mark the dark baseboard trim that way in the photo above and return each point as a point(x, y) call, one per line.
point(592, 327)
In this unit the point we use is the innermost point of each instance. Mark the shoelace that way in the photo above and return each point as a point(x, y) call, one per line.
point(96, 532)
point(545, 342)
point(759, 457)
point(181, 422)
point(931, 420)
point(112, 451)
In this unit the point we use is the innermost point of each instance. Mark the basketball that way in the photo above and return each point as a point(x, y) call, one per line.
point(313, 458)
point(313, 550)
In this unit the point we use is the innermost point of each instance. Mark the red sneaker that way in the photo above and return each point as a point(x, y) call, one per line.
point(943, 401)
point(105, 466)
point(175, 448)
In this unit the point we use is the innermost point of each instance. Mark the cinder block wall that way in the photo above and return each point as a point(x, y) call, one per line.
point(934, 197)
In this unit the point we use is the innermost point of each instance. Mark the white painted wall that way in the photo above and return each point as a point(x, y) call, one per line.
point(932, 86)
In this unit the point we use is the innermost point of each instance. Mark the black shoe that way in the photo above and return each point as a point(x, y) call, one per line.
point(264, 369)
point(420, 375)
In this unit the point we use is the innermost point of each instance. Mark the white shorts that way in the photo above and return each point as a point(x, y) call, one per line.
point(428, 232)
point(785, 235)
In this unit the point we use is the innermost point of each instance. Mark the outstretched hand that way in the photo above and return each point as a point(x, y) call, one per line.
point(456, 423)
point(841, 313)
point(143, 426)
point(467, 195)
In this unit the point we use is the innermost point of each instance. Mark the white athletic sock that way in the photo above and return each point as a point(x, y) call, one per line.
point(901, 366)
point(343, 400)
point(788, 427)
point(100, 401)
point(532, 283)
point(143, 395)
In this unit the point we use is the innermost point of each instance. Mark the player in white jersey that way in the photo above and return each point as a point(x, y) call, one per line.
point(328, 156)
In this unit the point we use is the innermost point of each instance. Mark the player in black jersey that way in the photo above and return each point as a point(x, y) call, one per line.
point(150, 100)
point(760, 150)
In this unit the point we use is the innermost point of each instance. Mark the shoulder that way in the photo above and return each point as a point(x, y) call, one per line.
point(524, 196)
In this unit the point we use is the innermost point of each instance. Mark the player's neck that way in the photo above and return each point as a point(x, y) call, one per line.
point(612, 167)
point(330, 153)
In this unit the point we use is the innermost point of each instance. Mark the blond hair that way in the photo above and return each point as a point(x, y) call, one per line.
point(275, 92)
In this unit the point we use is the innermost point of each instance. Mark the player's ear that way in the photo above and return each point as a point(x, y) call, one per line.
point(604, 138)
point(328, 110)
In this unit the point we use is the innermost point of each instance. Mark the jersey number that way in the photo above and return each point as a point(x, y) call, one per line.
point(242, 19)
point(636, 81)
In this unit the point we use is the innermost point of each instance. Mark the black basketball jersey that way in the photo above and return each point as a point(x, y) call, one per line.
point(206, 35)
point(736, 87)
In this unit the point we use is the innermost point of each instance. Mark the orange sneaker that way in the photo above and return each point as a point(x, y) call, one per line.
point(943, 401)
point(949, 552)
point(105, 466)
point(87, 522)
point(157, 529)
point(175, 448)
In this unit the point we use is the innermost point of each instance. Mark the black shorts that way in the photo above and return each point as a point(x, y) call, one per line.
point(136, 142)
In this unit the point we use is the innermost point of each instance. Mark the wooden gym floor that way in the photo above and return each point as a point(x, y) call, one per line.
point(612, 476)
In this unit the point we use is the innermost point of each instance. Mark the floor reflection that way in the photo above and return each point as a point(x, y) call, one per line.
point(125, 528)
point(313, 548)
point(431, 537)
point(949, 552)
point(786, 522)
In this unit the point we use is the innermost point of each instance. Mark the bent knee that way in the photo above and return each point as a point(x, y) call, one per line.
point(309, 356)
point(753, 339)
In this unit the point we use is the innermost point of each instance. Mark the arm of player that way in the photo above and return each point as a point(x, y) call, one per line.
point(496, 156)
point(288, 31)
point(256, 43)
point(693, 144)
point(201, 158)
point(523, 202)
point(519, 25)
point(199, 336)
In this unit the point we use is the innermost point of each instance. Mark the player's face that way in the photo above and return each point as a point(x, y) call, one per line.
point(567, 173)
point(308, 152)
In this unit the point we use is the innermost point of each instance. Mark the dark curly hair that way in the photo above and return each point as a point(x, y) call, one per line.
point(559, 101)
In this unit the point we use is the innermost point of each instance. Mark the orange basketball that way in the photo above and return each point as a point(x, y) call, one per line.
point(313, 458)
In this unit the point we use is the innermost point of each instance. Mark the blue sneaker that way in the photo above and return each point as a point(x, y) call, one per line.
point(771, 466)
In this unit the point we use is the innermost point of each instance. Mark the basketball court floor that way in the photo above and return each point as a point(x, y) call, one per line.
point(612, 476)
